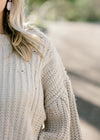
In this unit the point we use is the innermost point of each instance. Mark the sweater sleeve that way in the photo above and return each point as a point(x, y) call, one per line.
point(62, 120)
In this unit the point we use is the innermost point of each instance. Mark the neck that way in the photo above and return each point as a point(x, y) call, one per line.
point(1, 23)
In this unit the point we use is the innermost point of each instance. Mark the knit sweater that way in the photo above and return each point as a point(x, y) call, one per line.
point(36, 97)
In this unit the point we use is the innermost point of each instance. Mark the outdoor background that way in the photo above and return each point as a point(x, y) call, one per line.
point(74, 28)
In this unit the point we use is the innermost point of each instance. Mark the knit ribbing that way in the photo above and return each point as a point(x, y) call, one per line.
point(36, 93)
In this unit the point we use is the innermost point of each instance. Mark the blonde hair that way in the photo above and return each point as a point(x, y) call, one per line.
point(21, 39)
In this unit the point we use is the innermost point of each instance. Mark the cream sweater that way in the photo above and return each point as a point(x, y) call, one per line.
point(36, 98)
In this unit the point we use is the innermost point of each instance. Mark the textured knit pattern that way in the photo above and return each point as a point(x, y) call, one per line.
point(36, 94)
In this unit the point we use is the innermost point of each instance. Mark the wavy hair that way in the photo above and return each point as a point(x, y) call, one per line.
point(21, 39)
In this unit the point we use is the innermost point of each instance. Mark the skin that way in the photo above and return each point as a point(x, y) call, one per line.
point(2, 6)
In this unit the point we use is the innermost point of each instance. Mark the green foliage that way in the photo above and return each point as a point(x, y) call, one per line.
point(72, 0)
point(74, 10)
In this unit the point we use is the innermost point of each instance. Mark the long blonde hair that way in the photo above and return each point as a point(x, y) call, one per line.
point(21, 39)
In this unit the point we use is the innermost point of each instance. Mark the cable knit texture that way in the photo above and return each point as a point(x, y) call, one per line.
point(36, 97)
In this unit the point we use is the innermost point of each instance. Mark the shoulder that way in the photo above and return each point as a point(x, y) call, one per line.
point(47, 48)
point(47, 45)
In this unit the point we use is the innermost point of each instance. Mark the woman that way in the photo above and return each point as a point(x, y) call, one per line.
point(36, 98)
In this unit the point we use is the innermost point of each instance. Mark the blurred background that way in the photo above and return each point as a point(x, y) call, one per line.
point(74, 28)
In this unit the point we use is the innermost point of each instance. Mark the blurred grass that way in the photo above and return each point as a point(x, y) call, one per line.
point(70, 10)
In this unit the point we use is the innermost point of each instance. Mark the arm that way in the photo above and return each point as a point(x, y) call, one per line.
point(62, 120)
